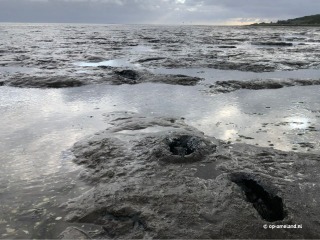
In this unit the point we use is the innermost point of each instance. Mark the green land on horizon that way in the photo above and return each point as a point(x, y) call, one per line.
point(312, 20)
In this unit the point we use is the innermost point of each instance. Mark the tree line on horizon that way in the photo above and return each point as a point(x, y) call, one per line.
point(306, 20)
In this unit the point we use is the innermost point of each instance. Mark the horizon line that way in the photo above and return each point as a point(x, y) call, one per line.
point(159, 24)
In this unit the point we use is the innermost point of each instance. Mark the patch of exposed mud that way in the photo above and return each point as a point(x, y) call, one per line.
point(134, 77)
point(31, 81)
point(153, 184)
point(106, 75)
point(259, 84)
point(278, 44)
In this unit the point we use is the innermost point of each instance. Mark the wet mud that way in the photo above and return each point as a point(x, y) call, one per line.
point(149, 175)
point(54, 50)
point(258, 84)
point(106, 76)
point(146, 184)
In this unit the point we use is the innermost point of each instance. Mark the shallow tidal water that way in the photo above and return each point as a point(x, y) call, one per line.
point(38, 126)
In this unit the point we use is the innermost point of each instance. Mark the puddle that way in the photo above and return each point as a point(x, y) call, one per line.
point(16, 69)
point(37, 173)
point(146, 130)
point(109, 63)
point(298, 122)
point(142, 48)
point(212, 75)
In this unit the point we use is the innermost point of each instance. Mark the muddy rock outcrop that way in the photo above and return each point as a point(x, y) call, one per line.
point(29, 81)
point(105, 75)
point(129, 76)
point(243, 66)
point(259, 84)
point(156, 177)
point(274, 44)
point(73, 233)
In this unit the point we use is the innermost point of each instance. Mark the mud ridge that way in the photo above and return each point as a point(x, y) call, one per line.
point(104, 75)
point(259, 84)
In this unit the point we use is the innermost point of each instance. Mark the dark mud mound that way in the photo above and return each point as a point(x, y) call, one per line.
point(135, 77)
point(169, 141)
point(178, 79)
point(275, 44)
point(257, 84)
point(150, 59)
point(227, 46)
point(268, 206)
point(242, 66)
point(129, 74)
point(103, 75)
point(146, 184)
point(29, 81)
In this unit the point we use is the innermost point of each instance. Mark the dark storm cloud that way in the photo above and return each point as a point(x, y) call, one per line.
point(153, 11)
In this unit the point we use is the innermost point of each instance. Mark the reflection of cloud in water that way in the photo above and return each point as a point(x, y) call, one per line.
point(229, 134)
point(223, 116)
point(298, 122)
point(37, 125)
point(228, 111)
point(40, 155)
point(220, 121)
point(108, 63)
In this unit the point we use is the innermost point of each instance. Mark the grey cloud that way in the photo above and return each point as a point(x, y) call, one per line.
point(151, 11)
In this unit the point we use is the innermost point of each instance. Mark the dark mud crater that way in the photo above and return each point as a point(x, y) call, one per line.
point(183, 146)
point(269, 207)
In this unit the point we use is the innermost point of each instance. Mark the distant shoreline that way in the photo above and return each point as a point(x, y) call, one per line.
point(282, 25)
point(306, 21)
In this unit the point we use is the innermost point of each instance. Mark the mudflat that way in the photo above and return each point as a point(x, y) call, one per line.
point(147, 131)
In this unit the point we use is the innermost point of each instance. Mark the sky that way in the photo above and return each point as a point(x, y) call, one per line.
point(212, 12)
